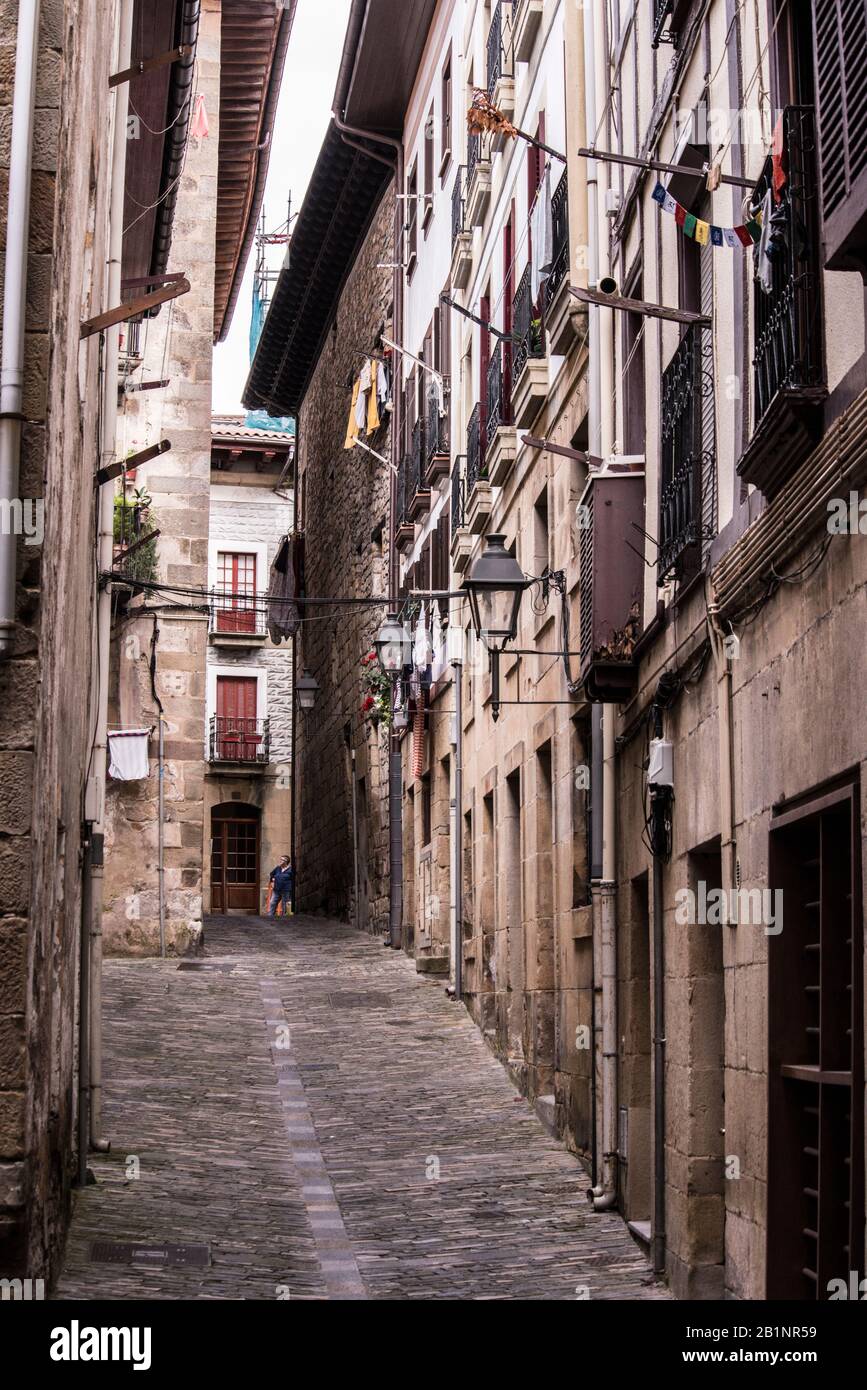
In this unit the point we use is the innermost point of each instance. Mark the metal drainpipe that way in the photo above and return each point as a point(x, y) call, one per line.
point(658, 1236)
point(395, 769)
point(108, 446)
point(15, 305)
point(459, 826)
point(161, 836)
point(355, 837)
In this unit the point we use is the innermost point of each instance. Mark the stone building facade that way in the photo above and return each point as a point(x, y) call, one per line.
point(343, 499)
point(178, 346)
point(752, 596)
point(248, 784)
point(45, 711)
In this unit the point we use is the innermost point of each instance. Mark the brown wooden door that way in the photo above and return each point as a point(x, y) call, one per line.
point(235, 864)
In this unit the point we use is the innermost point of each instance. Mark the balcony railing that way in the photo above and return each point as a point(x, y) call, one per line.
point(403, 494)
point(474, 154)
point(499, 390)
point(476, 467)
point(688, 457)
point(501, 61)
point(661, 12)
point(239, 740)
point(459, 494)
point(528, 335)
point(417, 458)
point(560, 219)
point(237, 617)
point(459, 203)
point(788, 318)
point(437, 433)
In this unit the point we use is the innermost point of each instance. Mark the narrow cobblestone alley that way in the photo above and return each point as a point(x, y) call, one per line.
point(263, 1100)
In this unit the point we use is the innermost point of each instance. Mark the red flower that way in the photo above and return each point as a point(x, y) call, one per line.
point(368, 704)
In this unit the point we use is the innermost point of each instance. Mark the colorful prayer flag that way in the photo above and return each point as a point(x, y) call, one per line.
point(689, 224)
point(670, 205)
point(743, 236)
point(716, 235)
point(730, 237)
point(659, 194)
point(754, 228)
point(680, 215)
point(702, 232)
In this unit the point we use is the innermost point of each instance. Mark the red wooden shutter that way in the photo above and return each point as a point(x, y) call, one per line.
point(484, 364)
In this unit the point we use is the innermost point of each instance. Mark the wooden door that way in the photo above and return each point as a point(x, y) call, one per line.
point(235, 863)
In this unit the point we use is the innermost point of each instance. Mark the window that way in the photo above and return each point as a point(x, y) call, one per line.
point(426, 824)
point(446, 115)
point(429, 150)
point(237, 735)
point(816, 1048)
point(412, 220)
point(236, 592)
point(634, 402)
point(541, 534)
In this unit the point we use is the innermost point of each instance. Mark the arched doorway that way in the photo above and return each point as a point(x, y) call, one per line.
point(235, 841)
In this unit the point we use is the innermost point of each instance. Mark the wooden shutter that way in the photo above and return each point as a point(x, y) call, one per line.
point(841, 45)
point(484, 363)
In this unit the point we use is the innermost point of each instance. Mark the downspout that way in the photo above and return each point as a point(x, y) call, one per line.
point(726, 748)
point(108, 449)
point(395, 770)
point(355, 837)
point(14, 306)
point(458, 862)
point(603, 1194)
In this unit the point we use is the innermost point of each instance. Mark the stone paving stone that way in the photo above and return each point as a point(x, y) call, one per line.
point(383, 1153)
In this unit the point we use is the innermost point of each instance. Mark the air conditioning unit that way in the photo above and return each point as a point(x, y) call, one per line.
point(612, 583)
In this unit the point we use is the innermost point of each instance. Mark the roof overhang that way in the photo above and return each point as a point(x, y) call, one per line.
point(159, 119)
point(385, 41)
point(254, 36)
point(343, 196)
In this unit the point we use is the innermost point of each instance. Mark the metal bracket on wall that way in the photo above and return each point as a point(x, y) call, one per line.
point(148, 64)
point(114, 470)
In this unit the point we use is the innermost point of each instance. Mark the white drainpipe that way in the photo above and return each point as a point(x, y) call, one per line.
point(14, 306)
point(105, 553)
point(601, 437)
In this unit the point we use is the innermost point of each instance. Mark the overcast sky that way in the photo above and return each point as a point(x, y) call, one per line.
point(302, 119)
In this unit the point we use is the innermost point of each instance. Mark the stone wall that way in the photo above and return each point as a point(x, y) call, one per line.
point(345, 497)
point(45, 714)
point(179, 346)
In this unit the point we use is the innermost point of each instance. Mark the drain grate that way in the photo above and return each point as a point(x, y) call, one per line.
point(111, 1252)
point(359, 1001)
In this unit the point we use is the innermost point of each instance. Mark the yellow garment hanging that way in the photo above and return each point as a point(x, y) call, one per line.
point(373, 404)
point(352, 431)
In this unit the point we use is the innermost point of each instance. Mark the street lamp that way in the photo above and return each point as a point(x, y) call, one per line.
point(306, 690)
point(393, 646)
point(495, 586)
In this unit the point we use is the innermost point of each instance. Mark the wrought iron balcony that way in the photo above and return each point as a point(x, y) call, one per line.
point(788, 359)
point(501, 61)
point(560, 261)
point(459, 495)
point(474, 154)
point(686, 495)
point(437, 433)
point(661, 11)
point(527, 328)
point(499, 390)
point(476, 467)
point(237, 616)
point(459, 203)
point(417, 457)
point(403, 523)
point(239, 740)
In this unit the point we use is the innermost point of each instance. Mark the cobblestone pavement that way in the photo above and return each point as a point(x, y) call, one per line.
point(331, 1126)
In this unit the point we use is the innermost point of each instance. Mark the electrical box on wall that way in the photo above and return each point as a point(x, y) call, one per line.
point(660, 767)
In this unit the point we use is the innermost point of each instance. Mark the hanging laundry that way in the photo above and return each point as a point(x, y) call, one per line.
point(435, 394)
point(383, 385)
point(128, 755)
point(284, 619)
point(764, 260)
point(418, 744)
point(199, 125)
point(542, 236)
point(373, 421)
point(353, 427)
point(780, 178)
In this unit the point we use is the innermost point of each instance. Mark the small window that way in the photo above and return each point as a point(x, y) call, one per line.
point(236, 592)
point(412, 220)
point(429, 151)
point(426, 824)
point(446, 115)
